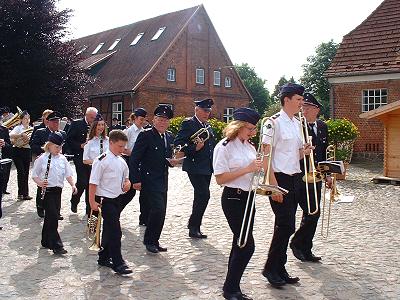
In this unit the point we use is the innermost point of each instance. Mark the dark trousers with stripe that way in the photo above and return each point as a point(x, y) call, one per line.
point(201, 186)
point(22, 160)
point(233, 204)
point(51, 204)
point(285, 219)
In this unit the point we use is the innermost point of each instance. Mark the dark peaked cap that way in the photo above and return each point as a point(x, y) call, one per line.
point(55, 115)
point(140, 112)
point(310, 100)
point(204, 103)
point(56, 138)
point(291, 88)
point(246, 114)
point(163, 110)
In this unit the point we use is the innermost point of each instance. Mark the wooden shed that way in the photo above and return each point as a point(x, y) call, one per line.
point(390, 116)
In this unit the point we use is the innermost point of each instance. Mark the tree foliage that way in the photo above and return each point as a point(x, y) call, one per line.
point(313, 78)
point(256, 87)
point(282, 81)
point(38, 69)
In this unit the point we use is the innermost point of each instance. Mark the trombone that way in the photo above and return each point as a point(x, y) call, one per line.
point(313, 176)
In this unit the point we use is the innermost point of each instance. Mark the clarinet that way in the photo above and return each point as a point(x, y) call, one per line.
point(46, 176)
point(101, 145)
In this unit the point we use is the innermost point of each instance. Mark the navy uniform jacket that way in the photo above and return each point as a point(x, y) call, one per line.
point(77, 135)
point(196, 162)
point(320, 142)
point(6, 151)
point(148, 164)
point(39, 138)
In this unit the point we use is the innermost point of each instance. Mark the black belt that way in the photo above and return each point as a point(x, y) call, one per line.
point(237, 191)
point(291, 175)
point(53, 189)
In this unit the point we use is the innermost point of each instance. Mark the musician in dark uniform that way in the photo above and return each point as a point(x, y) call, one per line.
point(42, 124)
point(76, 140)
point(148, 171)
point(116, 125)
point(301, 243)
point(198, 161)
point(39, 138)
point(5, 147)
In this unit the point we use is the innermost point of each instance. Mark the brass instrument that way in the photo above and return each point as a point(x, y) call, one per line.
point(256, 187)
point(330, 156)
point(200, 136)
point(22, 141)
point(313, 176)
point(94, 230)
point(4, 161)
point(14, 120)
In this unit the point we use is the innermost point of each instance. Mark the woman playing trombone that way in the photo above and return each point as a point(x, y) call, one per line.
point(235, 161)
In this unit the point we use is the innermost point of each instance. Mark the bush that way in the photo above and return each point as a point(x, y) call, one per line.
point(342, 133)
point(175, 124)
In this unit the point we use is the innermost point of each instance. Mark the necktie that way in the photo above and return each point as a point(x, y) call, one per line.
point(313, 128)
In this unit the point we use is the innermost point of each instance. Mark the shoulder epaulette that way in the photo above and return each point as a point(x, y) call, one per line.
point(102, 156)
point(275, 116)
point(224, 143)
point(147, 129)
point(187, 119)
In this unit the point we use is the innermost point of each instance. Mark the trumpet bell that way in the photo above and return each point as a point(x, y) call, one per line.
point(95, 247)
point(310, 177)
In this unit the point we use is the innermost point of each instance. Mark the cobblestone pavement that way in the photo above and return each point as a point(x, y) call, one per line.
point(361, 257)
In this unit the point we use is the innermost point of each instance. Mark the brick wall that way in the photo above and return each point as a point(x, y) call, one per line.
point(347, 104)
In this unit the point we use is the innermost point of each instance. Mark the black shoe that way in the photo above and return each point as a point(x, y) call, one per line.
point(1, 227)
point(60, 251)
point(288, 279)
point(152, 249)
point(312, 258)
point(60, 217)
point(40, 212)
point(27, 197)
point(274, 278)
point(105, 263)
point(196, 233)
point(6, 193)
point(299, 254)
point(20, 198)
point(74, 208)
point(236, 296)
point(161, 249)
point(122, 269)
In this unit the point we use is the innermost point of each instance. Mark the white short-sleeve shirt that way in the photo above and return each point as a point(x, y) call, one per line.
point(59, 169)
point(132, 134)
point(286, 142)
point(232, 156)
point(92, 148)
point(18, 130)
point(109, 173)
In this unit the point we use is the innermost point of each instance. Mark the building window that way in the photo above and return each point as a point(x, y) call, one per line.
point(373, 99)
point(171, 74)
point(228, 114)
point(117, 111)
point(217, 78)
point(228, 82)
point(114, 45)
point(137, 38)
point(158, 33)
point(200, 76)
point(82, 50)
point(98, 48)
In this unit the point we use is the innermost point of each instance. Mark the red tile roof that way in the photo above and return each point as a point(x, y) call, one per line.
point(124, 70)
point(373, 47)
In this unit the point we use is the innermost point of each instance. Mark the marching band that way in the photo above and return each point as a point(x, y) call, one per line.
point(110, 169)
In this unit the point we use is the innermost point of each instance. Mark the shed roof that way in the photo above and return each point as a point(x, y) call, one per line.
point(380, 111)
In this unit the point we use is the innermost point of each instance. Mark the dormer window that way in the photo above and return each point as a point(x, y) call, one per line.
point(98, 48)
point(137, 38)
point(82, 50)
point(158, 33)
point(114, 45)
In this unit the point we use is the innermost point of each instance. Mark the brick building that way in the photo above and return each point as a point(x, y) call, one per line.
point(365, 73)
point(172, 59)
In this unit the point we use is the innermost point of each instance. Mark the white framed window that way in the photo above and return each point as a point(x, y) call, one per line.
point(228, 114)
point(200, 76)
point(98, 48)
point(158, 33)
point(137, 38)
point(228, 82)
point(372, 99)
point(217, 78)
point(171, 74)
point(114, 45)
point(117, 111)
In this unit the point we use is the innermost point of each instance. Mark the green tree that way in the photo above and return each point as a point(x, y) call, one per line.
point(256, 87)
point(313, 73)
point(282, 81)
point(38, 69)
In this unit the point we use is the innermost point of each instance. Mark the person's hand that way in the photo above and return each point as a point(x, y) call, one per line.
point(83, 145)
point(44, 183)
point(137, 186)
point(278, 197)
point(126, 186)
point(329, 182)
point(94, 205)
point(255, 166)
point(2, 143)
point(307, 148)
point(74, 190)
point(200, 144)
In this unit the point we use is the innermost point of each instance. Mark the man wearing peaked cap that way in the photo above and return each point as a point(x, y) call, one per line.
point(54, 116)
point(309, 99)
point(148, 172)
point(291, 89)
point(198, 160)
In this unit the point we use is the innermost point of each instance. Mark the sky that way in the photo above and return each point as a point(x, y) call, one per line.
point(273, 36)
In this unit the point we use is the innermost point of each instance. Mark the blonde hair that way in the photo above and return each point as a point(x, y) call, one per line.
point(232, 129)
point(46, 146)
point(46, 113)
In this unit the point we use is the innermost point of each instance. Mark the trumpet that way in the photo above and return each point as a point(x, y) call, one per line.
point(94, 230)
point(313, 176)
point(201, 135)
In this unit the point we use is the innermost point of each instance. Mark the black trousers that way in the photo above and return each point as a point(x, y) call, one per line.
point(155, 221)
point(303, 237)
point(144, 208)
point(201, 186)
point(1, 194)
point(285, 219)
point(112, 234)
point(51, 204)
point(22, 160)
point(82, 182)
point(233, 205)
point(6, 168)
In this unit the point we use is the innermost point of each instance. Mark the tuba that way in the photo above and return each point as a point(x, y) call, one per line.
point(14, 120)
point(22, 141)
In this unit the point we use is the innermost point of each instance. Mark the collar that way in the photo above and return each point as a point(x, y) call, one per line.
point(135, 128)
point(201, 123)
point(285, 116)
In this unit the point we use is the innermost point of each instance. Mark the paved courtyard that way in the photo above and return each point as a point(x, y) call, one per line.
point(361, 256)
